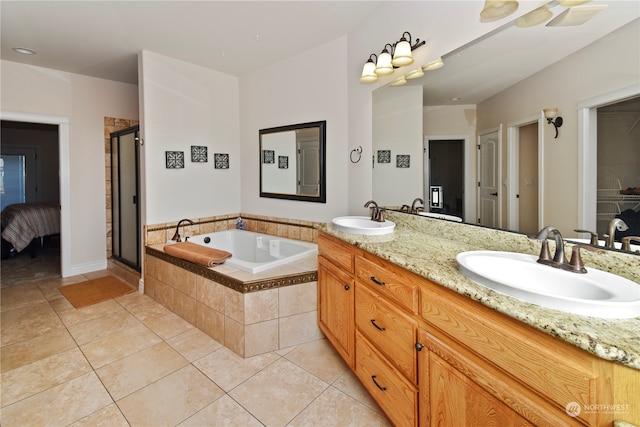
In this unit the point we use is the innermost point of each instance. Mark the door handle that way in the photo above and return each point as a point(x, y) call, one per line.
point(135, 199)
point(493, 194)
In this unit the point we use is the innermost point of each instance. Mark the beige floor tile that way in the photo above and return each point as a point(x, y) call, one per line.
point(75, 316)
point(60, 405)
point(33, 378)
point(116, 346)
point(171, 400)
point(193, 344)
point(52, 342)
point(148, 310)
point(351, 385)
point(28, 322)
point(134, 372)
point(50, 287)
point(227, 369)
point(133, 299)
point(319, 358)
point(95, 329)
point(335, 408)
point(109, 416)
point(278, 393)
point(168, 326)
point(19, 296)
point(60, 304)
point(224, 412)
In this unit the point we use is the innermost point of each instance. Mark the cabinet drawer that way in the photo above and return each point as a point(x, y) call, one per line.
point(389, 329)
point(389, 280)
point(395, 395)
point(339, 253)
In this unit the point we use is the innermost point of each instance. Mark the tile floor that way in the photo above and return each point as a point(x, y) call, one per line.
point(130, 361)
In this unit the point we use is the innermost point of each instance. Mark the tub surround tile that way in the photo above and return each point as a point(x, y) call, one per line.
point(260, 337)
point(211, 322)
point(297, 299)
point(416, 244)
point(260, 306)
point(298, 329)
point(170, 400)
point(234, 336)
point(210, 293)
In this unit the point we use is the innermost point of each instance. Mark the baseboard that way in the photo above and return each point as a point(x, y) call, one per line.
point(88, 267)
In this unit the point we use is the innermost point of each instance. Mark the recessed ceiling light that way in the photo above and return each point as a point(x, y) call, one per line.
point(24, 50)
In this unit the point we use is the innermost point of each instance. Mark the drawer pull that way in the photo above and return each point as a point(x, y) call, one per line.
point(373, 377)
point(347, 287)
point(376, 281)
point(373, 322)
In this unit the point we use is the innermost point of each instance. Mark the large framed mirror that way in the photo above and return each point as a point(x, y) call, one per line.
point(292, 162)
point(468, 103)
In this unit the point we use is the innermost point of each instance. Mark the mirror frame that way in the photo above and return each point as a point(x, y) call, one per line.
point(322, 193)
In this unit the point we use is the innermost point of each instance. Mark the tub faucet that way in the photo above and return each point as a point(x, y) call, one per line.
point(414, 208)
point(614, 224)
point(545, 258)
point(176, 236)
point(377, 213)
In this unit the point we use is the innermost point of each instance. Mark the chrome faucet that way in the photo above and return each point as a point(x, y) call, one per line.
point(545, 257)
point(614, 224)
point(414, 208)
point(377, 213)
point(176, 236)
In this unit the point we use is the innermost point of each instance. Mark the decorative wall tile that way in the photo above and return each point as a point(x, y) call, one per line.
point(403, 160)
point(283, 162)
point(199, 154)
point(174, 159)
point(268, 156)
point(384, 156)
point(221, 161)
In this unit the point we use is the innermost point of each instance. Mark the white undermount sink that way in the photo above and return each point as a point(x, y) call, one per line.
point(595, 293)
point(362, 225)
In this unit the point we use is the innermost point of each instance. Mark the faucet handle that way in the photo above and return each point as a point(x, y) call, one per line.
point(576, 265)
point(626, 242)
point(594, 236)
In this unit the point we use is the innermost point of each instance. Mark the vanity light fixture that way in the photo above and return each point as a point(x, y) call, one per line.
point(369, 70)
point(535, 17)
point(392, 56)
point(399, 81)
point(415, 74)
point(550, 114)
point(433, 65)
point(497, 9)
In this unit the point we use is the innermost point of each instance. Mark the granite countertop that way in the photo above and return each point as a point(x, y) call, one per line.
point(416, 245)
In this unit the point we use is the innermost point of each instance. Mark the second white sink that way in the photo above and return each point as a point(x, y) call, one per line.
point(362, 225)
point(596, 293)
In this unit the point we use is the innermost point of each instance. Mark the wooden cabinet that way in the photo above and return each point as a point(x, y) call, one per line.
point(430, 356)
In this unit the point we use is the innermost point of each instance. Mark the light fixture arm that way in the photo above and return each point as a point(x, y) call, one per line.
point(413, 46)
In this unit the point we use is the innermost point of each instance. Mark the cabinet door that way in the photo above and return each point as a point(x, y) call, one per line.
point(336, 307)
point(457, 389)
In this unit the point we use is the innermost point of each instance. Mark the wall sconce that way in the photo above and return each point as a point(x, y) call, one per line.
point(550, 114)
point(392, 56)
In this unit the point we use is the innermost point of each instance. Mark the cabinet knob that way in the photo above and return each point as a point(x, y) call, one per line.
point(347, 287)
point(419, 346)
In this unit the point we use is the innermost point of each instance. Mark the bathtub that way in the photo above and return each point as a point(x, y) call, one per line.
point(255, 252)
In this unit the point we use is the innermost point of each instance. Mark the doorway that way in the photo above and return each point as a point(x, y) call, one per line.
point(489, 176)
point(125, 206)
point(444, 176)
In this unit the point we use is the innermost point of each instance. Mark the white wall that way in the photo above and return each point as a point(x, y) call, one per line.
point(85, 101)
point(185, 105)
point(308, 87)
point(595, 70)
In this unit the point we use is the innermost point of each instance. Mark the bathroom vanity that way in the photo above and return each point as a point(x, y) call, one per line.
point(433, 347)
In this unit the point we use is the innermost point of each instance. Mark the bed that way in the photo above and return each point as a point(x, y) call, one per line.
point(23, 222)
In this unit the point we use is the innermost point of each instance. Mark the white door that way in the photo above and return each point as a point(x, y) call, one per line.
point(489, 179)
point(308, 168)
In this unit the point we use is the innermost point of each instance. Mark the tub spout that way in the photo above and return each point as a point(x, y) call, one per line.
point(176, 236)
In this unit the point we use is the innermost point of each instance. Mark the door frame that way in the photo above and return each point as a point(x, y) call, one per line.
point(588, 152)
point(513, 168)
point(469, 178)
point(65, 185)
